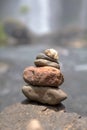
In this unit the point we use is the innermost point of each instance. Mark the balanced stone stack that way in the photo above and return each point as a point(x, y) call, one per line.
point(43, 81)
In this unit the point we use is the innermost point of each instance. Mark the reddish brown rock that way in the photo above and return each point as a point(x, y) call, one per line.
point(43, 76)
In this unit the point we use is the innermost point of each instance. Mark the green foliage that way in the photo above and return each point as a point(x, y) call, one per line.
point(3, 37)
point(24, 9)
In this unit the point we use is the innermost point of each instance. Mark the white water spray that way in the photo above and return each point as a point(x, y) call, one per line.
point(38, 17)
point(44, 15)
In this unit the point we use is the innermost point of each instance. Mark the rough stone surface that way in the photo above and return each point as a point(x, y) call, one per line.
point(17, 117)
point(43, 62)
point(51, 53)
point(44, 95)
point(43, 56)
point(43, 76)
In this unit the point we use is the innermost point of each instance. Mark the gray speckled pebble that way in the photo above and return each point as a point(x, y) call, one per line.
point(43, 62)
point(44, 95)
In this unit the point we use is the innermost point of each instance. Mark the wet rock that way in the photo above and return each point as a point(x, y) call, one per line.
point(45, 95)
point(51, 53)
point(16, 117)
point(43, 62)
point(43, 56)
point(43, 76)
point(17, 31)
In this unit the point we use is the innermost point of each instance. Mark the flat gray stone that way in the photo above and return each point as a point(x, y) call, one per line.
point(45, 95)
point(43, 56)
point(17, 116)
point(43, 62)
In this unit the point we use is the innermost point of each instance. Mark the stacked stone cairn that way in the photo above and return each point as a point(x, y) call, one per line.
point(43, 81)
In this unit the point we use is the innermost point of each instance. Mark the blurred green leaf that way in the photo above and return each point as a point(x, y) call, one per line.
point(3, 36)
point(24, 9)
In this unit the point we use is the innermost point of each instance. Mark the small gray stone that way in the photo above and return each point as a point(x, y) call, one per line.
point(43, 56)
point(44, 95)
point(43, 62)
point(51, 53)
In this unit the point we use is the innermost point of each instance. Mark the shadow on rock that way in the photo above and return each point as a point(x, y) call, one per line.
point(58, 107)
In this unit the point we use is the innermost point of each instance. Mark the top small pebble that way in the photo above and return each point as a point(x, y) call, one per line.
point(52, 53)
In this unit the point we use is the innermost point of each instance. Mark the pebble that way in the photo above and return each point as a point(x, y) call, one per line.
point(43, 76)
point(43, 62)
point(43, 81)
point(43, 56)
point(51, 53)
point(45, 95)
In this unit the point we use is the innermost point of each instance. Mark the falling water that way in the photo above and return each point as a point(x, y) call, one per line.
point(44, 15)
point(47, 15)
point(38, 15)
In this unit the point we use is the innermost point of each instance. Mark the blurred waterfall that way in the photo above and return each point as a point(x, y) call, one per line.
point(37, 19)
point(47, 15)
point(55, 14)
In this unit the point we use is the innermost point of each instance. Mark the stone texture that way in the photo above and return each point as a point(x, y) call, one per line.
point(17, 116)
point(43, 76)
point(43, 56)
point(43, 62)
point(51, 53)
point(44, 95)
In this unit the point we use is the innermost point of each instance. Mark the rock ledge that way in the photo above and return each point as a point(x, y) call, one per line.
point(16, 117)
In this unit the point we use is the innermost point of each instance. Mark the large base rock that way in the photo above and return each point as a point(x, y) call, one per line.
point(44, 95)
point(16, 117)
